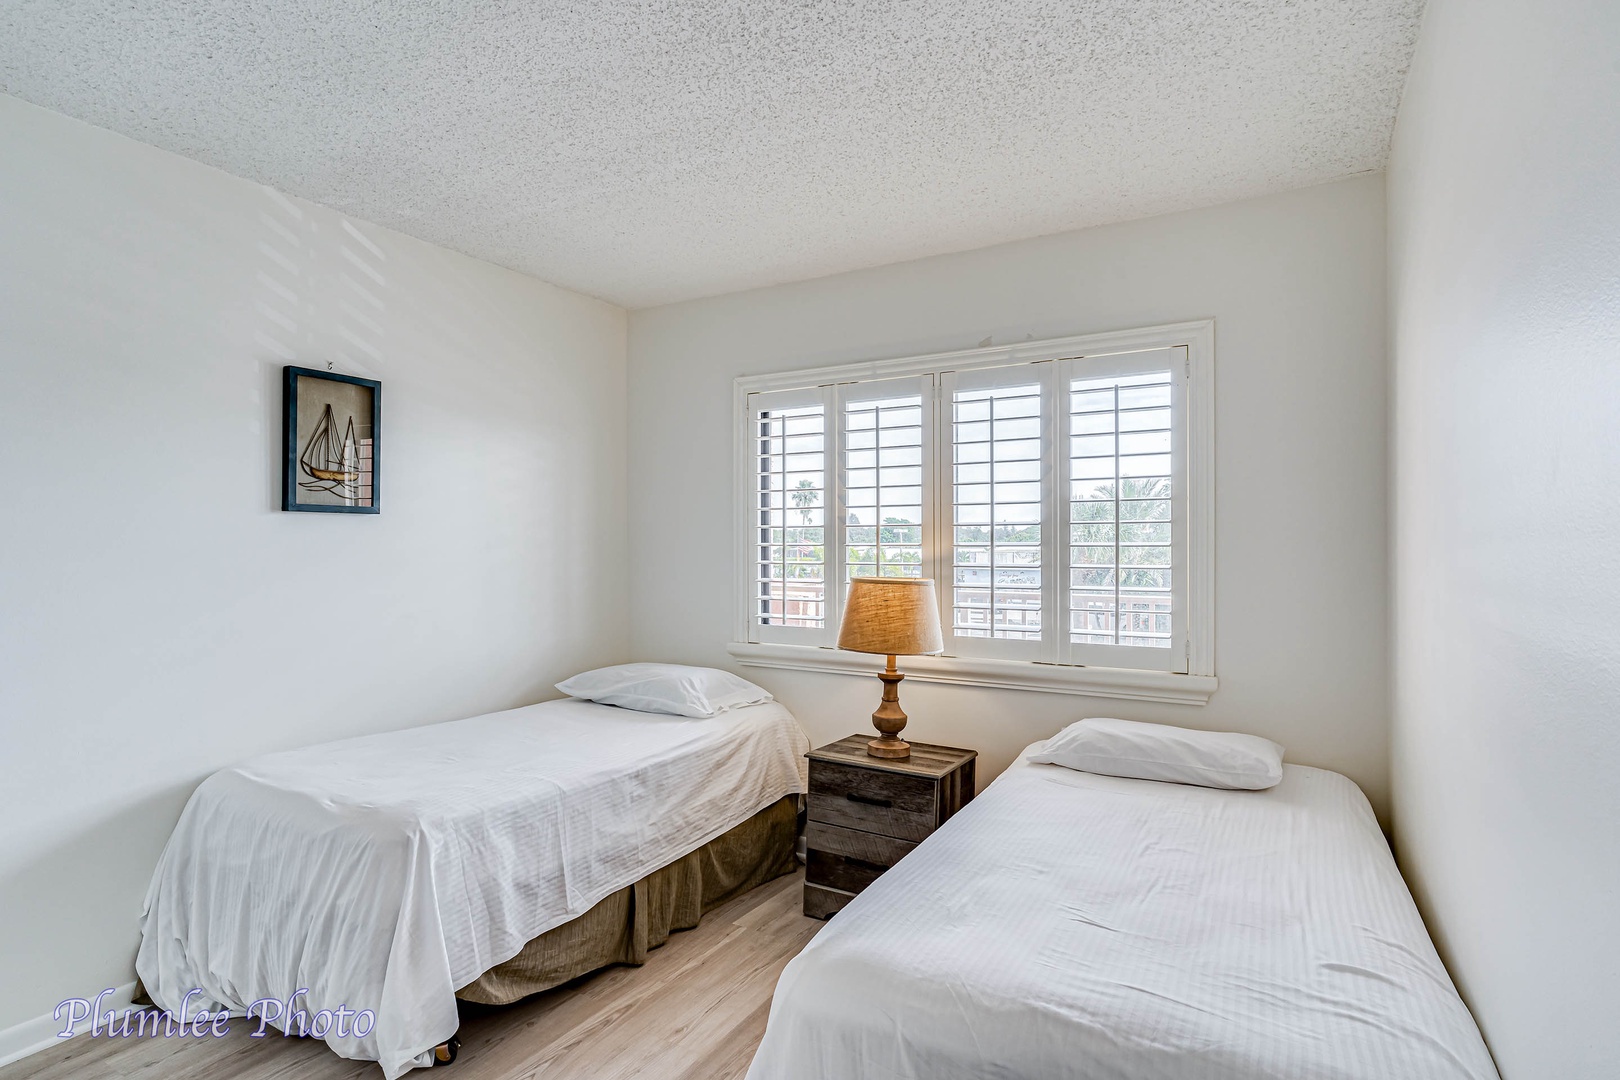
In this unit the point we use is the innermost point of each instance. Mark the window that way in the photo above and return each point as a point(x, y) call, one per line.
point(1059, 492)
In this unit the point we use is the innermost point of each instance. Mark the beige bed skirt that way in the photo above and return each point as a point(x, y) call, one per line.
point(623, 928)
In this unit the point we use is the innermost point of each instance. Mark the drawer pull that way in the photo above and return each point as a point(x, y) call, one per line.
point(868, 800)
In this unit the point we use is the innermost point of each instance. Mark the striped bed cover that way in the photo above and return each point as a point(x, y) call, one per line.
point(1072, 925)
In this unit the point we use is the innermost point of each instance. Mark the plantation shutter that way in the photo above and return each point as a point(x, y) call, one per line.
point(886, 477)
point(1124, 470)
point(1047, 492)
point(1002, 554)
point(790, 517)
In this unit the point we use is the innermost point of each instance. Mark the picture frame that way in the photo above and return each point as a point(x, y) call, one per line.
point(331, 438)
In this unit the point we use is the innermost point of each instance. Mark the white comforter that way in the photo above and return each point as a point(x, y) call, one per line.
point(384, 872)
point(1072, 925)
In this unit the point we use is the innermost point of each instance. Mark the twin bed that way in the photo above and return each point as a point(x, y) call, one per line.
point(1063, 924)
point(389, 872)
point(1066, 924)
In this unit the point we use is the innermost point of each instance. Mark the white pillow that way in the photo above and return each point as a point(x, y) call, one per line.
point(1217, 759)
point(665, 688)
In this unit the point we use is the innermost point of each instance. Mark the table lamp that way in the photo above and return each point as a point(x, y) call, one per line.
point(894, 617)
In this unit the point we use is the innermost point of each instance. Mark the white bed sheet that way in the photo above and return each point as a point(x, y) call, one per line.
point(386, 871)
point(1065, 924)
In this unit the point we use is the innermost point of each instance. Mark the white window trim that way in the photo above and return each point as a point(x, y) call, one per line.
point(1192, 688)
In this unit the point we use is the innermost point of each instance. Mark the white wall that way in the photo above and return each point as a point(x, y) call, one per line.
point(1505, 313)
point(159, 616)
point(1296, 283)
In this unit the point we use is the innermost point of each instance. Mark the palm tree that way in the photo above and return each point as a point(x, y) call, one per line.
point(804, 497)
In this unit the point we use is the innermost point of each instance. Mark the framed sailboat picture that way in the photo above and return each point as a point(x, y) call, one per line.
point(331, 426)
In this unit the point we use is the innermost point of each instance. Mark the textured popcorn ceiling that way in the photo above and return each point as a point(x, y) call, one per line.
point(656, 151)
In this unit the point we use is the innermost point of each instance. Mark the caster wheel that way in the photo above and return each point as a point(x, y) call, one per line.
point(445, 1052)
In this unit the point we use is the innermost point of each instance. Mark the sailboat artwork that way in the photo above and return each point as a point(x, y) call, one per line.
point(332, 464)
point(330, 429)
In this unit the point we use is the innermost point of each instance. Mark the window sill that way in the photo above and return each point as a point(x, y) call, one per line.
point(1124, 683)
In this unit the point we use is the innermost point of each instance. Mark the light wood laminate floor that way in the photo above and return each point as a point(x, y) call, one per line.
point(694, 1011)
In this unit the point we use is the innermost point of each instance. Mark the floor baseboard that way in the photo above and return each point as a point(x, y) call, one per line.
point(41, 1033)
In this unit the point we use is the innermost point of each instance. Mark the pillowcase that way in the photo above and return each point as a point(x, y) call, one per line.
point(665, 688)
point(1215, 759)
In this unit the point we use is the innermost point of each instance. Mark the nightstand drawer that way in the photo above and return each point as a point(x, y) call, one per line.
point(890, 804)
point(820, 903)
point(840, 871)
point(869, 847)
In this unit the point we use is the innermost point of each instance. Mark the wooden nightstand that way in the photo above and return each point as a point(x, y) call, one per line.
point(867, 812)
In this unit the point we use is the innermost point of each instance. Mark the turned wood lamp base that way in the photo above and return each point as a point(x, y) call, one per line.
point(889, 719)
